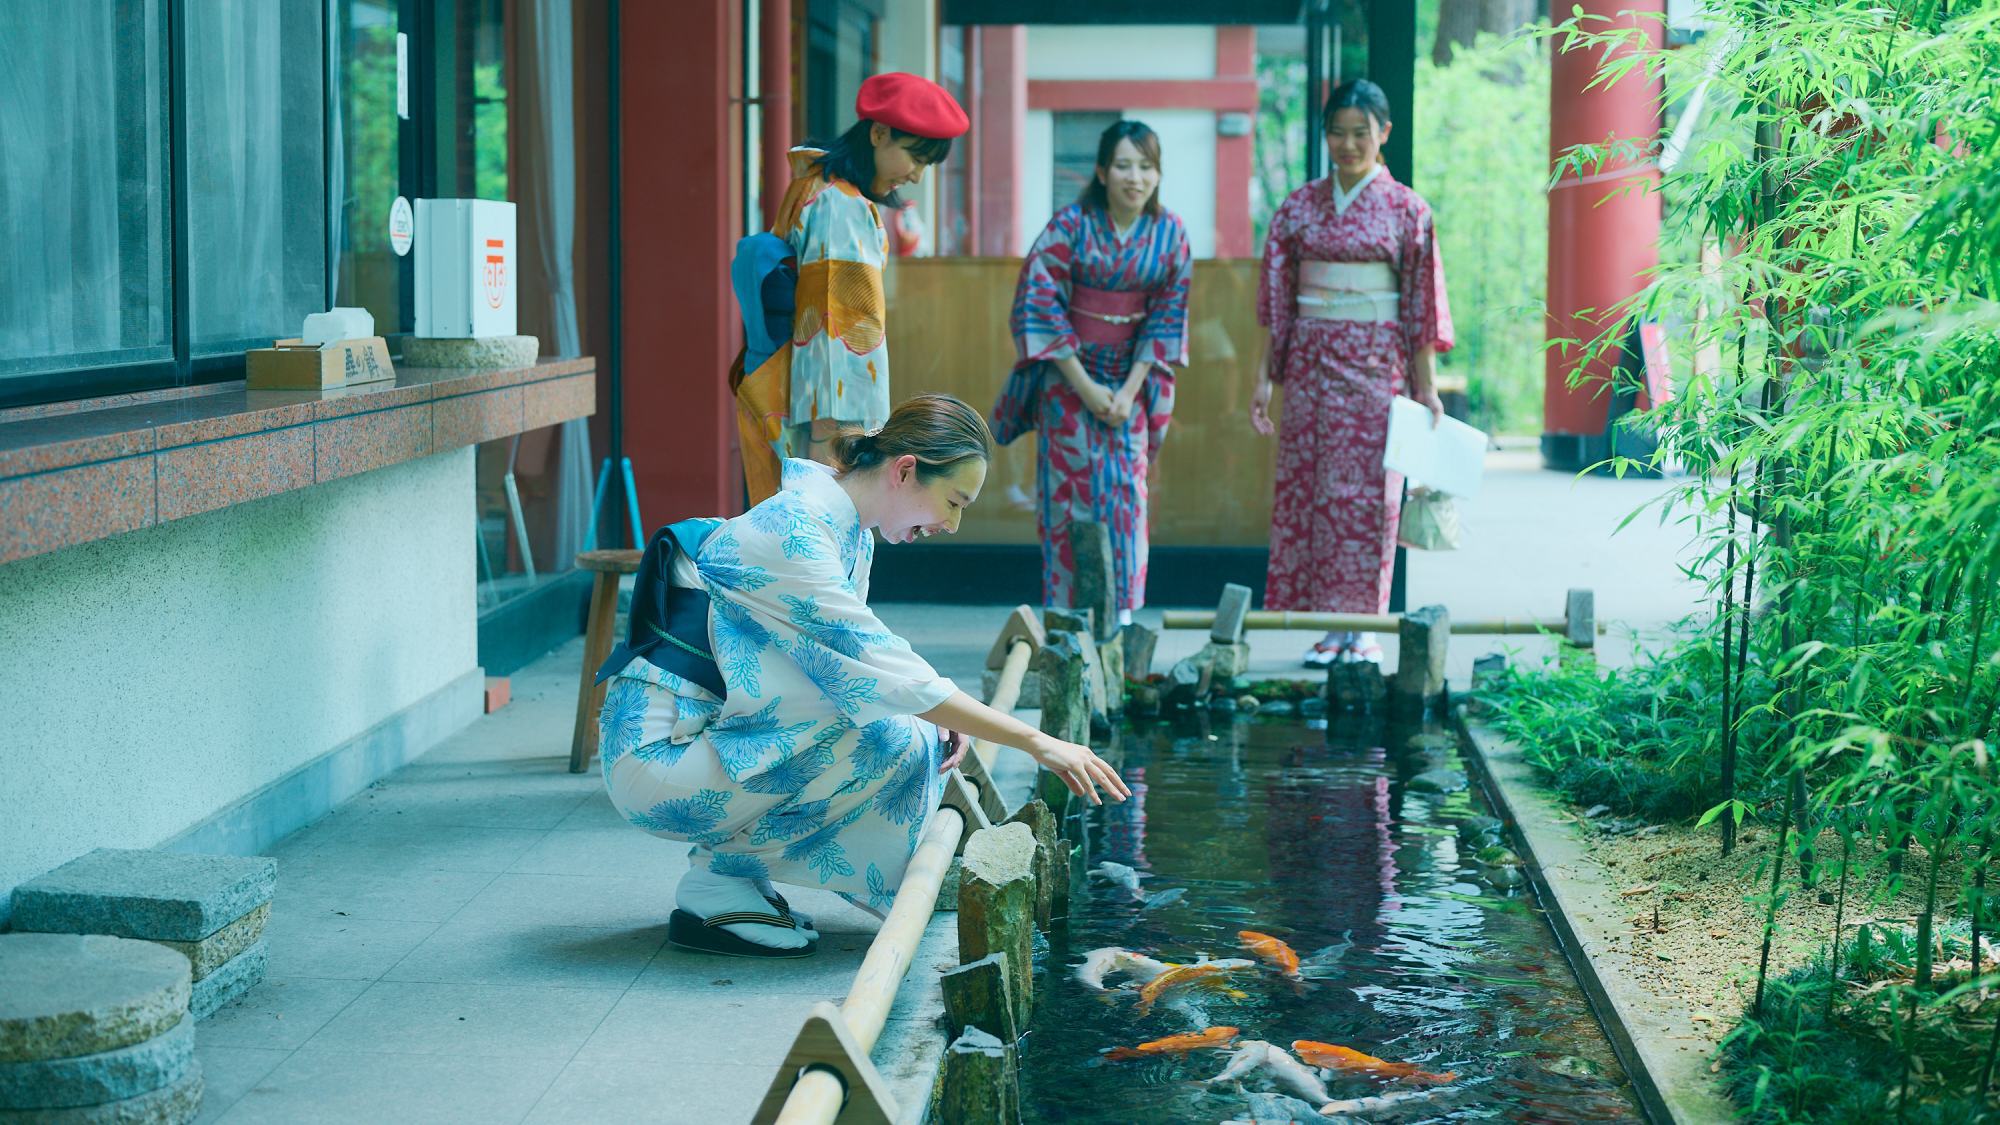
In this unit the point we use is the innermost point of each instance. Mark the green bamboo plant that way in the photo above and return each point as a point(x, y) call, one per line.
point(1842, 477)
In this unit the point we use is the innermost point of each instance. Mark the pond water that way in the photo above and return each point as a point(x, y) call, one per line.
point(1315, 837)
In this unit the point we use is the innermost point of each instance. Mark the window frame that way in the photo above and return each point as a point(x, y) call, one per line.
point(417, 177)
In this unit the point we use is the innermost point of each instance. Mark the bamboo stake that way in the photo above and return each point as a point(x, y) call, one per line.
point(1367, 622)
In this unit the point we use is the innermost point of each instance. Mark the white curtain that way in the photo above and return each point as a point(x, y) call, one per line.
point(236, 181)
point(66, 155)
point(553, 224)
point(255, 170)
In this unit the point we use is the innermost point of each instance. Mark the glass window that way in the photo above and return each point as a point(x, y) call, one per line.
point(255, 171)
point(954, 234)
point(364, 139)
point(843, 38)
point(83, 184)
point(472, 102)
point(1076, 137)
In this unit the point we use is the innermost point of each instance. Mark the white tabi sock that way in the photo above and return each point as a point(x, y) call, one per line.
point(705, 894)
point(1124, 618)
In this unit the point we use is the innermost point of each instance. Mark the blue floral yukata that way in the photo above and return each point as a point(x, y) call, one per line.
point(814, 771)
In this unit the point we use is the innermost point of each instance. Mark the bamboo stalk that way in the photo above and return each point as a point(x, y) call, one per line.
point(1771, 912)
point(1839, 916)
point(1366, 622)
point(1728, 658)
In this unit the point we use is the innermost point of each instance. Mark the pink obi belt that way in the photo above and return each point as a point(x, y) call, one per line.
point(1106, 316)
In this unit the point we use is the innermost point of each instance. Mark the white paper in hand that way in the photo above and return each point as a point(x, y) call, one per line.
point(1449, 459)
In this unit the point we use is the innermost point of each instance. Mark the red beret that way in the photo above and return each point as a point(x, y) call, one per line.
point(910, 103)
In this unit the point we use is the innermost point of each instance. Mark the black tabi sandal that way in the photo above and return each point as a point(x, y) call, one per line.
point(708, 936)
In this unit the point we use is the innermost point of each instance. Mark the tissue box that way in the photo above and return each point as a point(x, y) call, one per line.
point(465, 268)
point(296, 365)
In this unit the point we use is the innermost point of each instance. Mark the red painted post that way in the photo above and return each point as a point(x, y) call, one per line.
point(680, 208)
point(1001, 136)
point(774, 98)
point(1235, 57)
point(1604, 227)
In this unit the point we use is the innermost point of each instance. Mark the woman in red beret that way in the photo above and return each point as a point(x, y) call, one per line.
point(836, 372)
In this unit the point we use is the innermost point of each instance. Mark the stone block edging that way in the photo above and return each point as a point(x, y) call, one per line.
point(1581, 901)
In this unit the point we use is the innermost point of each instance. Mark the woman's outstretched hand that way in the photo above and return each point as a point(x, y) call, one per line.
point(1260, 408)
point(955, 745)
point(1080, 769)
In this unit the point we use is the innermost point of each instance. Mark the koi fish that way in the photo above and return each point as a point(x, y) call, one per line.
point(1119, 875)
point(1275, 952)
point(1379, 1101)
point(1176, 1044)
point(1226, 964)
point(1175, 977)
point(1314, 963)
point(1165, 898)
point(1255, 1054)
point(1101, 963)
point(1346, 1058)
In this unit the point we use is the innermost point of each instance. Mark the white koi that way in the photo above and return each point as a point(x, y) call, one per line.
point(1101, 963)
point(1381, 1101)
point(1278, 1064)
point(1119, 875)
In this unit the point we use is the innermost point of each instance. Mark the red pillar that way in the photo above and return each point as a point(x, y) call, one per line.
point(774, 98)
point(1235, 57)
point(680, 209)
point(1001, 136)
point(1604, 227)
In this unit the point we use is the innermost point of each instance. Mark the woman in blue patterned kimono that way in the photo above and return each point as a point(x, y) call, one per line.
point(821, 763)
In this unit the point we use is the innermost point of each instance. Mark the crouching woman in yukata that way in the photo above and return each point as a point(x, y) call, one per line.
point(814, 755)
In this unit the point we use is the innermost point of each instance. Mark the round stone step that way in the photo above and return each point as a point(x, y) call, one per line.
point(83, 994)
point(177, 1104)
point(108, 1076)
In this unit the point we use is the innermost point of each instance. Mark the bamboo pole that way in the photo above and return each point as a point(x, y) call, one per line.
point(1365, 622)
point(817, 1095)
point(1006, 691)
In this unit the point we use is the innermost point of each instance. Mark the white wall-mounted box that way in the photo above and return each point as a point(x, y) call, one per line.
point(466, 268)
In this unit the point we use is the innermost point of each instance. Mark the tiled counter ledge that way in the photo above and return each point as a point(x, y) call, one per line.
point(73, 473)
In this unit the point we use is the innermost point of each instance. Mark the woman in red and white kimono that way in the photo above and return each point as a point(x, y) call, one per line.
point(1353, 294)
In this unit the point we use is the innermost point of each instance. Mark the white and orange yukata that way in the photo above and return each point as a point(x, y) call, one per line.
point(837, 363)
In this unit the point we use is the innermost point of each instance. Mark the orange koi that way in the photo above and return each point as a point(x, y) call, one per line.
point(1275, 953)
point(1346, 1058)
point(1178, 975)
point(1177, 1044)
